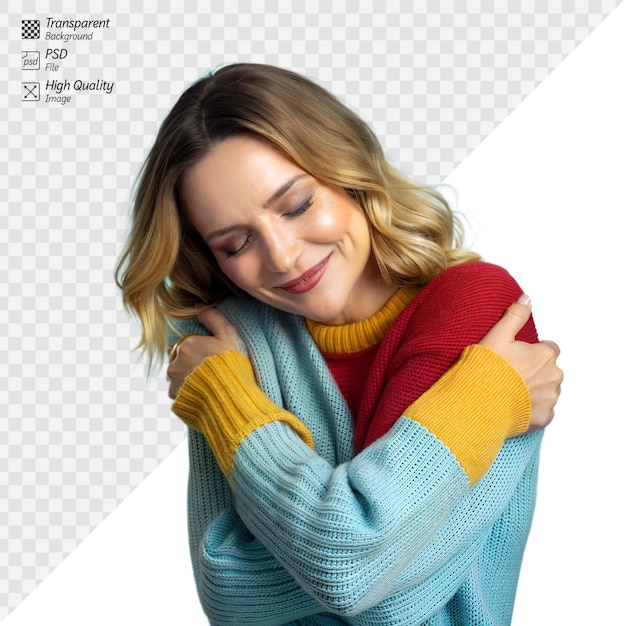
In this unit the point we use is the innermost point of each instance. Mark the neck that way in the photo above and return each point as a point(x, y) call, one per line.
point(367, 298)
point(356, 336)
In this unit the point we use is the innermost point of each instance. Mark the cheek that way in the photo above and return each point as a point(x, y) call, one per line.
point(332, 222)
point(326, 224)
point(349, 227)
point(240, 272)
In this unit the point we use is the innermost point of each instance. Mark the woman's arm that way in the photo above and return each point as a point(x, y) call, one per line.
point(454, 311)
point(347, 533)
point(239, 581)
point(237, 578)
point(277, 467)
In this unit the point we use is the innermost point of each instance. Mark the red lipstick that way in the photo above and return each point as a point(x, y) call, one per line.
point(308, 280)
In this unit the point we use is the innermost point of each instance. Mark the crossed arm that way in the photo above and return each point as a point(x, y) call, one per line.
point(282, 533)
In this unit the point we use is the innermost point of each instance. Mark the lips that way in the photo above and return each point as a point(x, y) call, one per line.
point(308, 280)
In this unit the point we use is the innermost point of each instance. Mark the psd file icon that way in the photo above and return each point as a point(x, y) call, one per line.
point(31, 60)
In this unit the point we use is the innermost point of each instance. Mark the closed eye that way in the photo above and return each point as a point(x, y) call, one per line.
point(235, 251)
point(303, 208)
point(300, 210)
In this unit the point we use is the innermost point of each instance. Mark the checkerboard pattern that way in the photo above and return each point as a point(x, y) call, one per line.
point(30, 29)
point(80, 426)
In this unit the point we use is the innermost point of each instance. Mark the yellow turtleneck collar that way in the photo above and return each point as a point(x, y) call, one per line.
point(361, 335)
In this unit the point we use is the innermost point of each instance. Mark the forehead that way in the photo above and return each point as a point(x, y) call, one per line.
point(242, 171)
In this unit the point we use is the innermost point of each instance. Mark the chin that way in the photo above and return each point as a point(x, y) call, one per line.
point(315, 305)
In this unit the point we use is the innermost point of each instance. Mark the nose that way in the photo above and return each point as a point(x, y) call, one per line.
point(280, 250)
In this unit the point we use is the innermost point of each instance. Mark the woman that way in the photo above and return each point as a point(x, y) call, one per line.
point(355, 446)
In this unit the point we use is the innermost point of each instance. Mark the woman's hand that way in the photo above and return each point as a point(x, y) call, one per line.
point(535, 362)
point(195, 348)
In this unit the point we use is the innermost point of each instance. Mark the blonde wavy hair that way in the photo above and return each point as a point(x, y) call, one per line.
point(166, 269)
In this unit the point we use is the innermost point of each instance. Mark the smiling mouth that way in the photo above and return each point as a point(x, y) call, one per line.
point(308, 280)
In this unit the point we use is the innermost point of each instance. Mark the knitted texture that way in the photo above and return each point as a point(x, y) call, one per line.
point(422, 340)
point(213, 398)
point(474, 442)
point(350, 350)
point(392, 535)
point(453, 311)
point(357, 336)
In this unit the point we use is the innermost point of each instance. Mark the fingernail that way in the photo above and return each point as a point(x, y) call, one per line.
point(524, 300)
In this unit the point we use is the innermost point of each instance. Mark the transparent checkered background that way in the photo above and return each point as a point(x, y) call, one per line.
point(79, 425)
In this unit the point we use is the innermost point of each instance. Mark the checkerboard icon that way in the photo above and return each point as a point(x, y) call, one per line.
point(30, 29)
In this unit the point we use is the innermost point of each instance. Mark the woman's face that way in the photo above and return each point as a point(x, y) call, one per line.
point(283, 236)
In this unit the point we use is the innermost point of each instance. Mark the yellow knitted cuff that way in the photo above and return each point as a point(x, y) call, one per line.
point(474, 407)
point(221, 399)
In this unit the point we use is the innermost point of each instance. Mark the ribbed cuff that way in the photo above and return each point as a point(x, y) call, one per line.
point(474, 407)
point(221, 399)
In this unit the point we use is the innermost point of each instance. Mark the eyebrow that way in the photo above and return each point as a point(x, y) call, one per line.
point(279, 193)
point(282, 190)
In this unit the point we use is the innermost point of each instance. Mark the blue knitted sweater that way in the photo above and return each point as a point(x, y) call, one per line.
point(318, 536)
